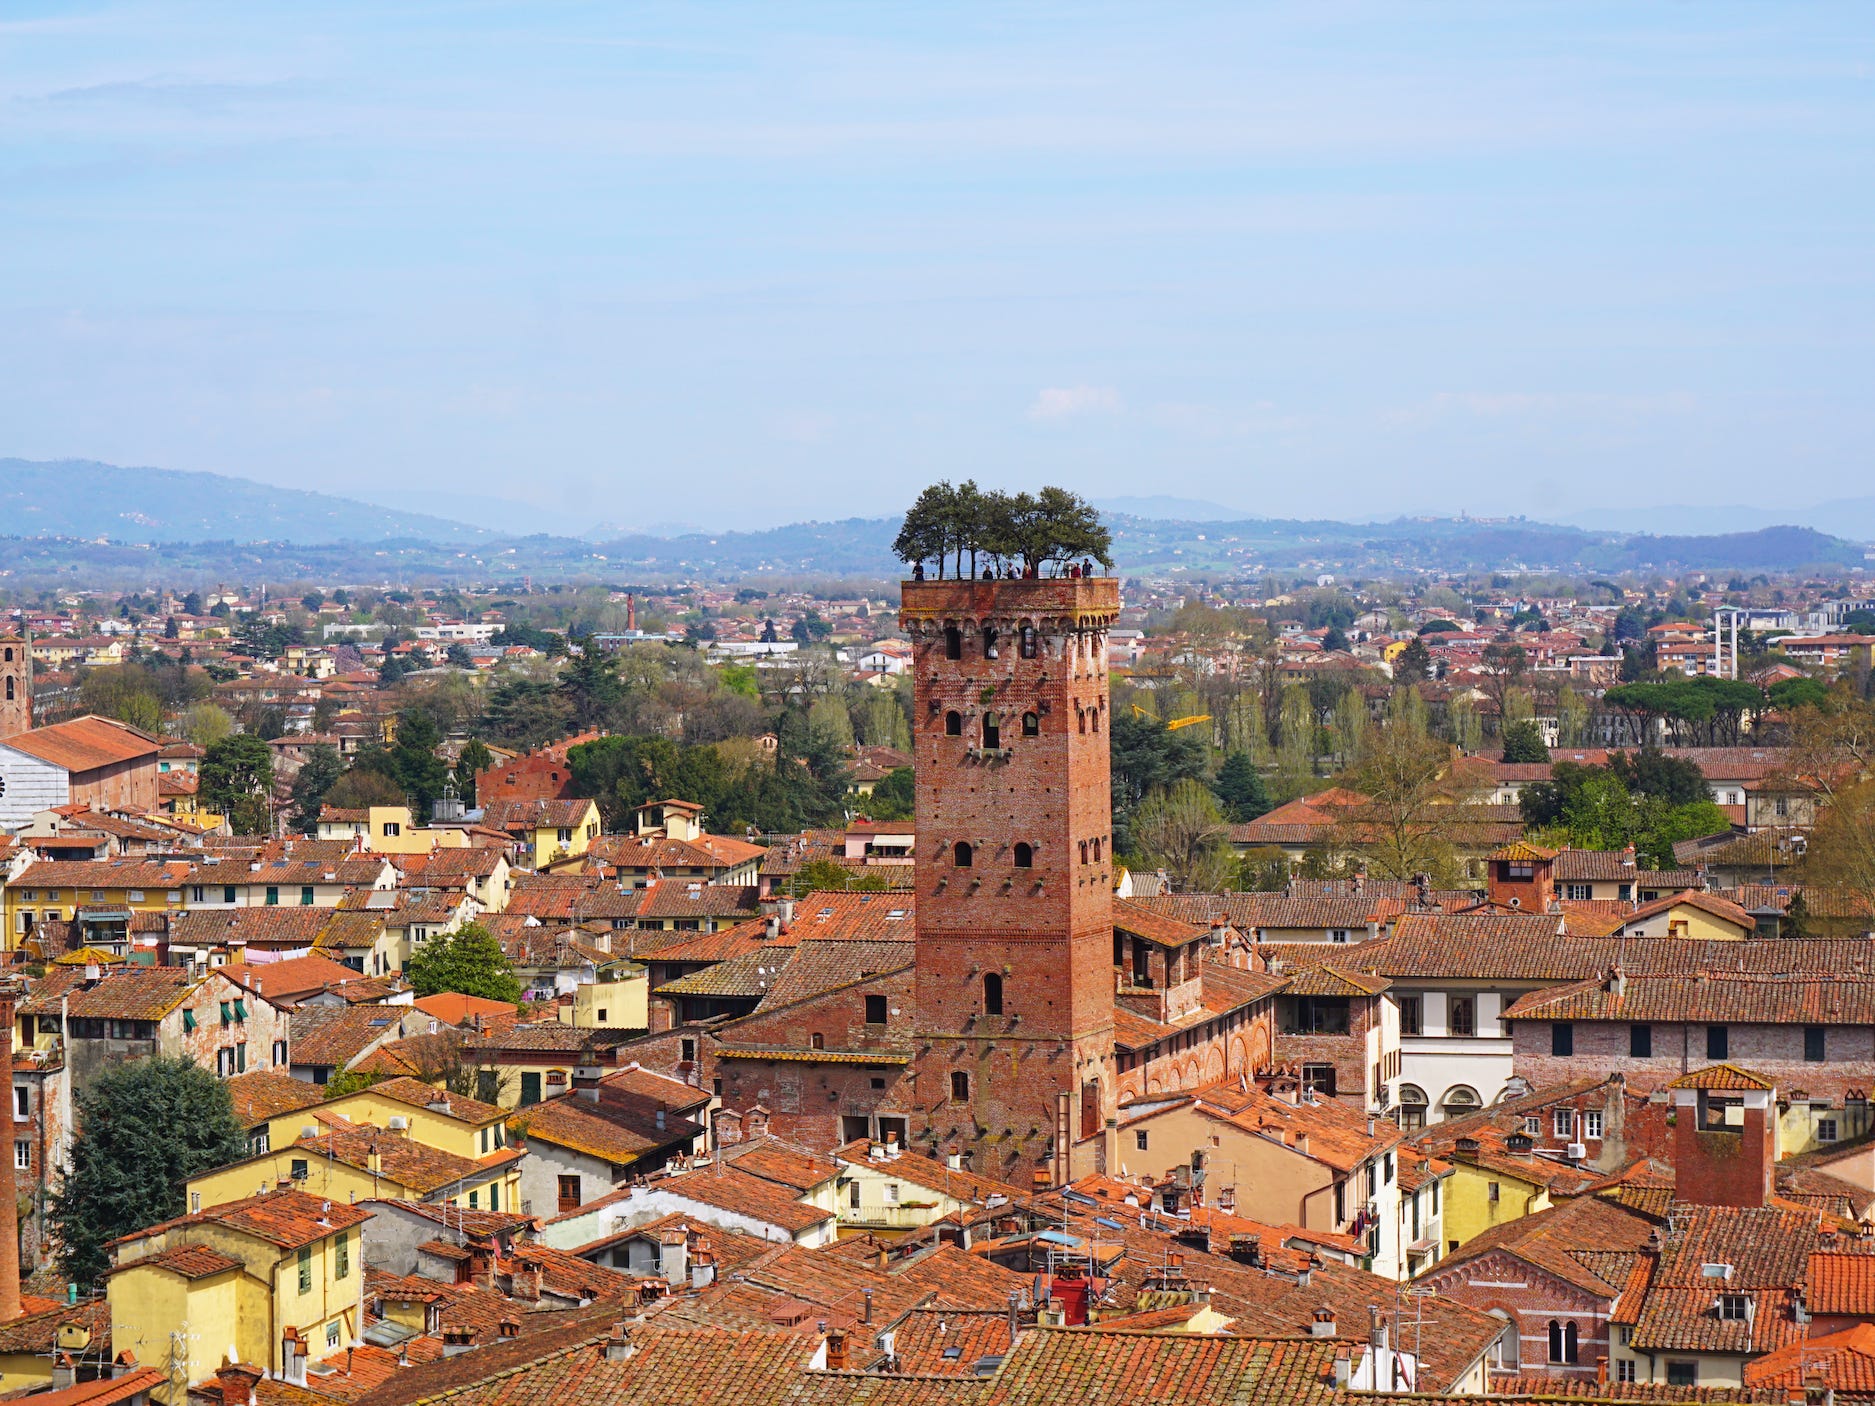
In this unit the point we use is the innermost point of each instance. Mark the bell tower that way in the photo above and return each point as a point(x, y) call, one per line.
point(16, 682)
point(1014, 985)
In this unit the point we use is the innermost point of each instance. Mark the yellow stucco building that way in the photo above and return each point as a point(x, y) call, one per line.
point(245, 1279)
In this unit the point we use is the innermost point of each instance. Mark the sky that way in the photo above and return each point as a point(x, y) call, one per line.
point(564, 265)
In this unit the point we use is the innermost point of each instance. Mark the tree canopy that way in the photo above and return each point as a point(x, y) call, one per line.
point(145, 1128)
point(468, 961)
point(1040, 531)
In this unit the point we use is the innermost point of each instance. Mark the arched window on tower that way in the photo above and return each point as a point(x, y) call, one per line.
point(953, 642)
point(1031, 725)
point(989, 644)
point(962, 854)
point(1083, 851)
point(1025, 855)
point(953, 724)
point(992, 731)
point(1096, 712)
point(1096, 851)
point(1080, 716)
point(9, 654)
point(9, 689)
point(992, 993)
point(1028, 642)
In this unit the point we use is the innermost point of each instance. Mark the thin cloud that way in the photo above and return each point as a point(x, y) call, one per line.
point(1068, 402)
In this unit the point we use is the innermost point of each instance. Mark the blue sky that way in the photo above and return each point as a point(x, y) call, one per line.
point(726, 264)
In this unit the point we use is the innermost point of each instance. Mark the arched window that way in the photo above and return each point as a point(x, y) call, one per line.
point(992, 993)
point(1562, 1342)
point(1096, 712)
point(1031, 725)
point(1555, 1341)
point(953, 642)
point(1569, 1343)
point(1096, 851)
point(992, 730)
point(9, 654)
point(1412, 1107)
point(1080, 716)
point(9, 689)
point(953, 724)
point(1028, 642)
point(817, 1040)
point(962, 854)
point(1083, 851)
point(989, 644)
point(1508, 1349)
point(1459, 1101)
point(1025, 855)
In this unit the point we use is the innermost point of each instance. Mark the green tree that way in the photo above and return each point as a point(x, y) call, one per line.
point(1413, 664)
point(818, 875)
point(348, 1081)
point(591, 686)
point(1147, 756)
point(414, 762)
point(893, 796)
point(1523, 743)
point(317, 775)
point(468, 961)
point(360, 789)
point(144, 1128)
point(1239, 786)
point(206, 724)
point(458, 656)
point(237, 769)
point(473, 759)
point(1179, 829)
point(1789, 694)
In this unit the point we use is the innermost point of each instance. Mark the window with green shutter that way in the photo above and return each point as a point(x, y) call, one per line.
point(240, 1009)
point(305, 1269)
point(273, 896)
point(227, 1016)
point(188, 1021)
point(341, 1257)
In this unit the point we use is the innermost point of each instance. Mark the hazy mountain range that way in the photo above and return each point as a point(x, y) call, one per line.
point(105, 524)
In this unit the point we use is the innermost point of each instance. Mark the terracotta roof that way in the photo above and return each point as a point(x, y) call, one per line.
point(262, 1094)
point(1723, 1076)
point(453, 1008)
point(295, 976)
point(1137, 920)
point(1845, 1360)
point(731, 1190)
point(1722, 997)
point(418, 1094)
point(1337, 1134)
point(334, 1036)
point(124, 993)
point(1333, 981)
point(619, 1128)
point(402, 1161)
point(104, 1391)
point(105, 874)
point(1693, 898)
point(87, 743)
point(189, 1261)
point(288, 1218)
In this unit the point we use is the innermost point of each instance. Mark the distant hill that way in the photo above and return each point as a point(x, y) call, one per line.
point(114, 526)
point(1166, 508)
point(80, 498)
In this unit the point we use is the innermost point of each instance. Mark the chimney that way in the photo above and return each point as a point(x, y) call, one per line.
point(865, 1315)
point(237, 1381)
point(9, 1192)
point(1376, 1332)
point(836, 1350)
point(1015, 1309)
point(65, 1373)
point(1617, 982)
point(1717, 1164)
point(619, 1346)
point(293, 1357)
point(1322, 1323)
point(1344, 1366)
point(457, 1341)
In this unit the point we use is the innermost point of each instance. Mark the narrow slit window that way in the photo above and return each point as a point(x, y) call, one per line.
point(992, 993)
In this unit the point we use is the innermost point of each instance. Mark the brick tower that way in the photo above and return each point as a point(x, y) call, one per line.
point(1014, 985)
point(16, 682)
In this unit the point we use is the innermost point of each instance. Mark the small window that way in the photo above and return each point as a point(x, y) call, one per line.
point(953, 724)
point(22, 1101)
point(992, 731)
point(1411, 1015)
point(875, 1010)
point(817, 1040)
point(960, 1087)
point(1031, 725)
point(1565, 1122)
point(305, 1269)
point(1813, 1044)
point(1734, 1308)
point(1083, 851)
point(1139, 1140)
point(992, 993)
point(341, 1257)
point(1024, 856)
point(306, 896)
point(1682, 1374)
point(962, 854)
point(1533, 1126)
point(953, 643)
point(393, 827)
point(1826, 1130)
point(1624, 1369)
point(23, 1154)
point(332, 1334)
point(1562, 1038)
point(1592, 1123)
point(1640, 1041)
point(1718, 1042)
point(273, 896)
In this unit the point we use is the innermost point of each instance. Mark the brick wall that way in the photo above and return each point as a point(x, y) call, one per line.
point(1775, 1051)
point(1530, 1299)
point(1009, 1086)
point(529, 778)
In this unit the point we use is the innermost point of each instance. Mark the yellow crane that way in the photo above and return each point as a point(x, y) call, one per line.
point(1176, 723)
